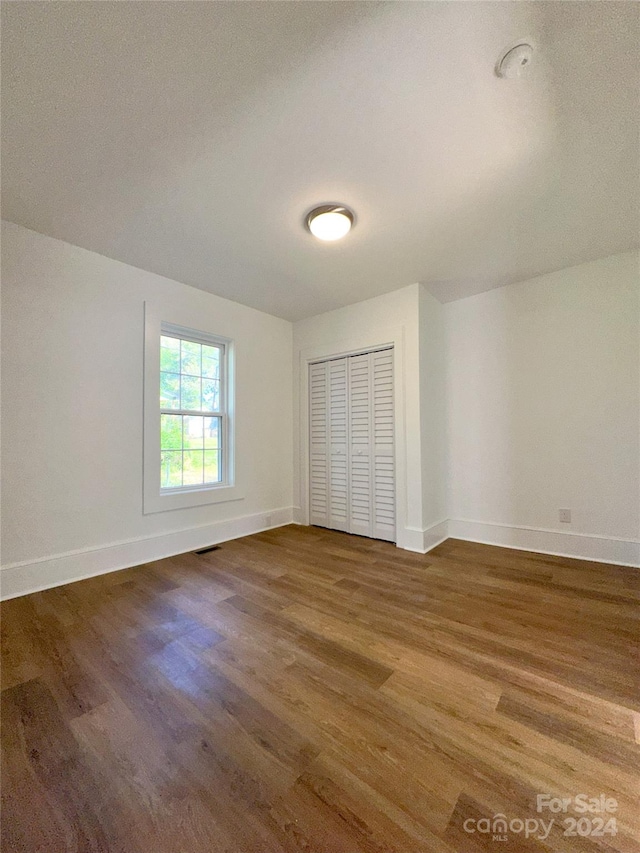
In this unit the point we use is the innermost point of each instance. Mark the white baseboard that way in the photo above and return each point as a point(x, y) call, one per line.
point(32, 576)
point(581, 546)
point(422, 541)
point(560, 543)
point(410, 539)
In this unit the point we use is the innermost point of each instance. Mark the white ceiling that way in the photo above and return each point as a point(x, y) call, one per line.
point(190, 138)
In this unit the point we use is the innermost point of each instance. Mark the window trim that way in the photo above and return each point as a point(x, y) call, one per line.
point(155, 499)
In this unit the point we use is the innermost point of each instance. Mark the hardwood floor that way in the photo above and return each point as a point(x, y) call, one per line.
point(306, 690)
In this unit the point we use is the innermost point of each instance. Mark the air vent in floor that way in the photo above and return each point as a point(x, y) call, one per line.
point(206, 550)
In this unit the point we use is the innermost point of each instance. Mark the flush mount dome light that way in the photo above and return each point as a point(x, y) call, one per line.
point(330, 222)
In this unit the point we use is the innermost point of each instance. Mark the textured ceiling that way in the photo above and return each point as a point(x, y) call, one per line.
point(189, 139)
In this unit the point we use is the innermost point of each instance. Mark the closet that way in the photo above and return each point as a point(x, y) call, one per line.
point(351, 462)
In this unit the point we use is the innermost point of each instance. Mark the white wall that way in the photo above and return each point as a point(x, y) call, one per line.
point(544, 413)
point(72, 414)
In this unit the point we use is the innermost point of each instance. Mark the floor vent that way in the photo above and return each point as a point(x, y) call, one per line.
point(206, 550)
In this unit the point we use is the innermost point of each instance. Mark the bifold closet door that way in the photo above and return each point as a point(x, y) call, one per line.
point(329, 492)
point(338, 471)
point(318, 438)
point(352, 444)
point(371, 445)
point(360, 445)
point(383, 463)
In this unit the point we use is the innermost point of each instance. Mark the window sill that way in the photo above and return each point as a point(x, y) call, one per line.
point(184, 499)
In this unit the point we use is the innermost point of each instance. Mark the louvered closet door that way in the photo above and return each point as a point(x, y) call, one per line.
point(352, 444)
point(383, 466)
point(338, 472)
point(360, 442)
point(318, 444)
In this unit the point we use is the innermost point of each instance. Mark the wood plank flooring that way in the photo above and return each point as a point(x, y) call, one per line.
point(306, 690)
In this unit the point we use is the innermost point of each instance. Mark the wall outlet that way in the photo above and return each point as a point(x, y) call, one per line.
point(565, 516)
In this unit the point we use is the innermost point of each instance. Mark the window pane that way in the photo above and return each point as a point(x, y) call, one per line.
point(211, 432)
point(211, 395)
point(190, 358)
point(193, 467)
point(191, 380)
point(169, 391)
point(211, 466)
point(170, 469)
point(193, 432)
point(191, 393)
point(170, 354)
point(171, 432)
point(211, 362)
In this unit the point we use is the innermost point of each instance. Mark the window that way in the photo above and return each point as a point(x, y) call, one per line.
point(189, 457)
point(192, 412)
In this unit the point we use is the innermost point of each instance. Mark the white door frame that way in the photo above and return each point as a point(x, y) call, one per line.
point(393, 336)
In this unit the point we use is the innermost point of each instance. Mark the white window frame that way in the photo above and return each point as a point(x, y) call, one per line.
point(156, 499)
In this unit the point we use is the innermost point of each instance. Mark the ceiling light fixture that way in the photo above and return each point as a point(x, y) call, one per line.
point(330, 221)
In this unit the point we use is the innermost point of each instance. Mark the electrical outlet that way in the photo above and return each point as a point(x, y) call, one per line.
point(565, 516)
